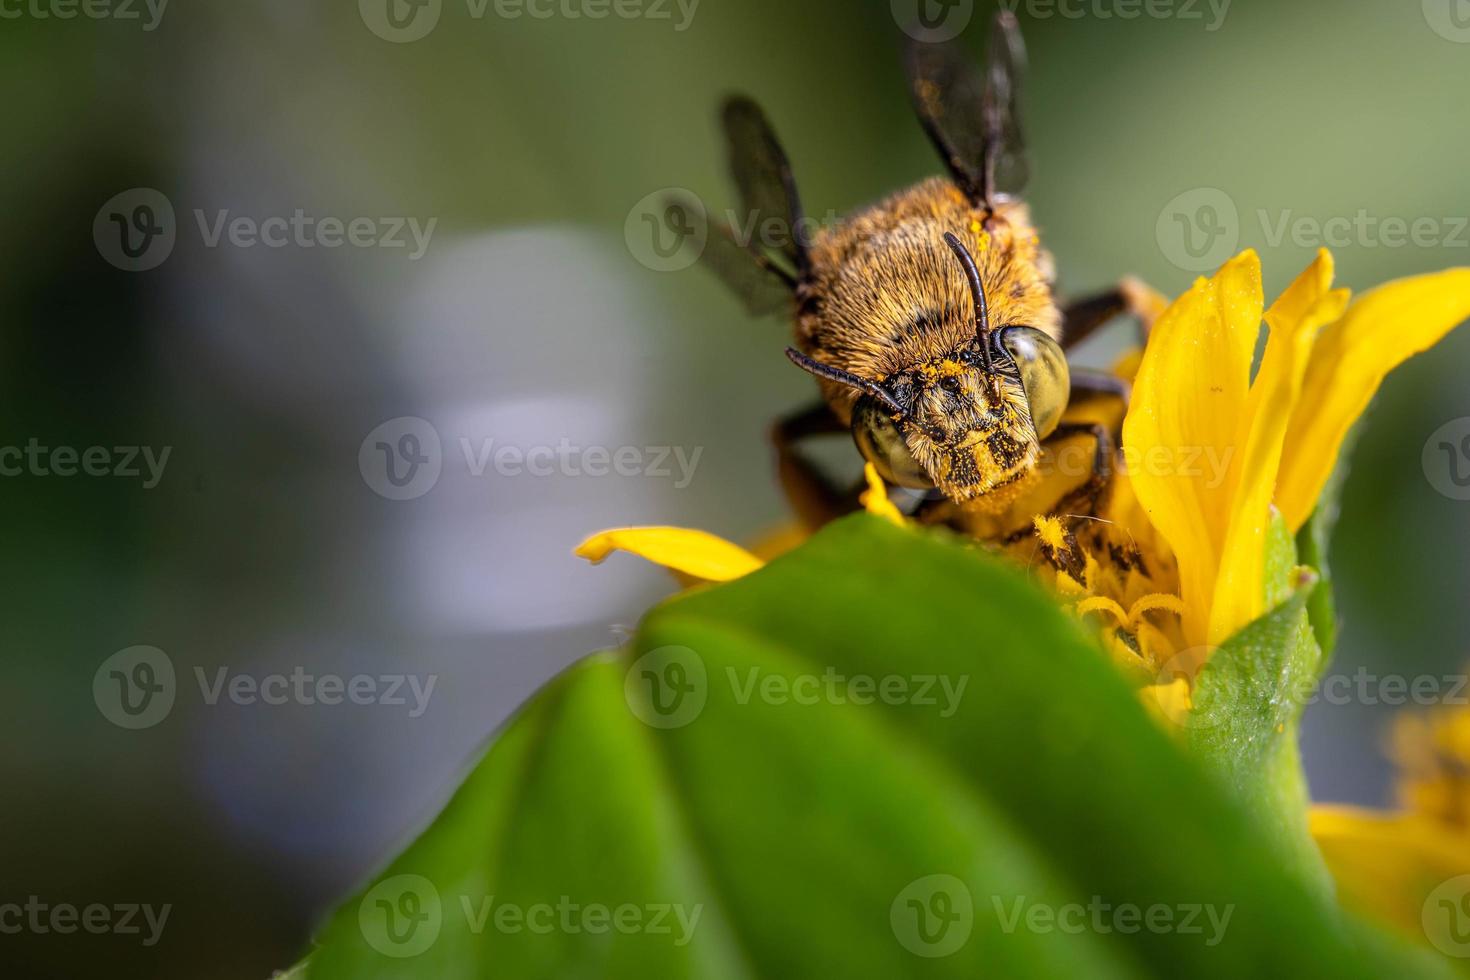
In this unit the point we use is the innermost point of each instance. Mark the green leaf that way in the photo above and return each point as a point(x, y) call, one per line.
point(1254, 687)
point(1248, 702)
point(984, 805)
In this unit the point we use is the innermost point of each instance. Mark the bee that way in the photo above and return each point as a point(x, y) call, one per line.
point(929, 319)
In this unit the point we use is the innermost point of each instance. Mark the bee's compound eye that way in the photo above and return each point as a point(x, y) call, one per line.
point(881, 444)
point(1044, 375)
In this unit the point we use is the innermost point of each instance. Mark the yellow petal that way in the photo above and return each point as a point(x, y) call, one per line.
point(1295, 318)
point(1384, 328)
point(875, 499)
point(1169, 702)
point(1387, 864)
point(1143, 301)
point(1126, 364)
point(778, 540)
point(1188, 398)
point(695, 553)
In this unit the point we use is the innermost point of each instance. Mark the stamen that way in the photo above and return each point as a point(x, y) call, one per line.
point(1101, 603)
point(1153, 601)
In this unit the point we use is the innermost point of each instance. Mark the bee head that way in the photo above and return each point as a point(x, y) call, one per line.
point(969, 423)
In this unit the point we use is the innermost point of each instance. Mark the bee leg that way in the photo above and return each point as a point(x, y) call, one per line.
point(1095, 389)
point(936, 509)
point(811, 493)
point(1082, 318)
point(1092, 493)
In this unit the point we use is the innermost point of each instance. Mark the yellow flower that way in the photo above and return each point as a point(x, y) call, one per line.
point(697, 554)
point(1175, 563)
point(1390, 863)
point(702, 557)
point(1278, 435)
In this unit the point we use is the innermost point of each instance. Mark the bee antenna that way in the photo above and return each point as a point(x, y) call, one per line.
point(843, 377)
point(977, 293)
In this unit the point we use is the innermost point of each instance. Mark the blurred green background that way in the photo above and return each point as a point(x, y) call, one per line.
point(528, 321)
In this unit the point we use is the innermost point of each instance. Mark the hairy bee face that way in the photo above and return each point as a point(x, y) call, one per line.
point(968, 431)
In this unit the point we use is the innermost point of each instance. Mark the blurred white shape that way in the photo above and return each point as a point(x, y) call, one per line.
point(524, 340)
point(514, 312)
point(514, 571)
point(536, 421)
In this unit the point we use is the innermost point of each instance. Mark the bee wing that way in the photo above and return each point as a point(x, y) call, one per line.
point(972, 117)
point(763, 176)
point(760, 286)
